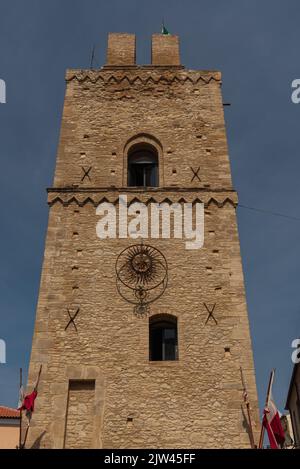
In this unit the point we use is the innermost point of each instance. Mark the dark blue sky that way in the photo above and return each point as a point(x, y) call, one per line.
point(255, 43)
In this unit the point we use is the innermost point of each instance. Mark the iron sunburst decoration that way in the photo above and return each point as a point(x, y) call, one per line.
point(142, 275)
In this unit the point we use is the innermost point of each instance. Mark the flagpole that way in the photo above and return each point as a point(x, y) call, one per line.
point(26, 433)
point(20, 426)
point(262, 431)
point(251, 436)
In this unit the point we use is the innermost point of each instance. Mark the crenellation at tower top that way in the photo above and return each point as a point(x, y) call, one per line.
point(121, 50)
point(165, 50)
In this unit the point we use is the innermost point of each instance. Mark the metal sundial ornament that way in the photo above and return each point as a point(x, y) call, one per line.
point(142, 275)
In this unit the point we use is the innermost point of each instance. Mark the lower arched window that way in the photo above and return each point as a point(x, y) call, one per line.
point(163, 338)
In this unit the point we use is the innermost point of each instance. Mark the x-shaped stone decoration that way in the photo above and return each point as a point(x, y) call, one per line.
point(195, 174)
point(72, 319)
point(210, 313)
point(86, 173)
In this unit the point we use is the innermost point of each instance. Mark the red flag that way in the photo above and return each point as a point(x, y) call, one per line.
point(271, 421)
point(28, 403)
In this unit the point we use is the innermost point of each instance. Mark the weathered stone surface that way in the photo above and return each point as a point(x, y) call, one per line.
point(197, 400)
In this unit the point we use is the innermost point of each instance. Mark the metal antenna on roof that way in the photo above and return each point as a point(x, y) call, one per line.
point(92, 57)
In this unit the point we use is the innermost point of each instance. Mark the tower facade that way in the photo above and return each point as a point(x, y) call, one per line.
point(141, 344)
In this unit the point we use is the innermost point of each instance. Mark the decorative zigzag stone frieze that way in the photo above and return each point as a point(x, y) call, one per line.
point(82, 197)
point(143, 76)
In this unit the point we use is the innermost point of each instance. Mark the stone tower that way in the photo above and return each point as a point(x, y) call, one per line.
point(117, 374)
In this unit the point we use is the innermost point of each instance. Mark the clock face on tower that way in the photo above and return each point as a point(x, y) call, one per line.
point(142, 276)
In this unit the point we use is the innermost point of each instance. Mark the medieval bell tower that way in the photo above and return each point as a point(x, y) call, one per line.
point(141, 343)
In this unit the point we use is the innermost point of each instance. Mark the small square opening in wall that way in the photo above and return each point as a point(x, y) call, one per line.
point(82, 154)
point(113, 153)
point(75, 234)
point(113, 172)
point(227, 352)
point(174, 171)
point(208, 151)
point(129, 421)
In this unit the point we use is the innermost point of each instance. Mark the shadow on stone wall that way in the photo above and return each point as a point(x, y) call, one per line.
point(37, 442)
point(246, 424)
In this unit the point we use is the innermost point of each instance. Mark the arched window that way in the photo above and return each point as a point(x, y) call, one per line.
point(163, 341)
point(143, 166)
